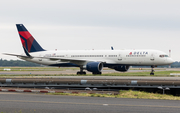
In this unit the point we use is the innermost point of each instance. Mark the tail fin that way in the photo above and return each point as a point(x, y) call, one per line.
point(28, 42)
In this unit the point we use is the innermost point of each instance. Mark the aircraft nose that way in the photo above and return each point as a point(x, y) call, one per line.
point(170, 61)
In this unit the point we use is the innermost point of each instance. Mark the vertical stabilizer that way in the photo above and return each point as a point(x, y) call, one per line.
point(28, 42)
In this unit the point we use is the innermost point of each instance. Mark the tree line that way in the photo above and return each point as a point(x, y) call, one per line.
point(18, 63)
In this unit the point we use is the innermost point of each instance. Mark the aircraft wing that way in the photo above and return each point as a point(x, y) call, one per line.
point(50, 58)
point(68, 60)
point(71, 60)
point(75, 61)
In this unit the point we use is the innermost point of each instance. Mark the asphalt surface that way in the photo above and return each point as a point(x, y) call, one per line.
point(36, 103)
point(100, 77)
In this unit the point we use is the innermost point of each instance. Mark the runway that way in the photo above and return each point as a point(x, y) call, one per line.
point(35, 103)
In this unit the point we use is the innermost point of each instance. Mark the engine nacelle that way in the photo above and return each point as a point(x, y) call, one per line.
point(121, 68)
point(94, 66)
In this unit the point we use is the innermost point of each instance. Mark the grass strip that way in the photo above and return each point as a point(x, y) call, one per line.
point(145, 74)
point(125, 94)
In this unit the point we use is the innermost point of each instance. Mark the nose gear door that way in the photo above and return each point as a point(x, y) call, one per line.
point(152, 57)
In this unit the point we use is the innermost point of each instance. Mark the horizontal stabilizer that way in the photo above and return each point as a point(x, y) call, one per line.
point(17, 55)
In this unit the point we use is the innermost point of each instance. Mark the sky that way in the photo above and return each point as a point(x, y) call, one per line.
point(92, 24)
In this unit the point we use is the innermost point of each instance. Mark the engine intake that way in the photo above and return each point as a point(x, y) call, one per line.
point(95, 67)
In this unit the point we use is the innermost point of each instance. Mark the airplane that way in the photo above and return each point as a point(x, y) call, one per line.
point(90, 60)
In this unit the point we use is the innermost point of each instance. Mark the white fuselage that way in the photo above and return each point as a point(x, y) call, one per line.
point(82, 57)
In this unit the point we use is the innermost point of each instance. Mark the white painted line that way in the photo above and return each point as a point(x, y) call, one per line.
point(36, 91)
point(4, 90)
point(174, 73)
point(105, 104)
point(19, 90)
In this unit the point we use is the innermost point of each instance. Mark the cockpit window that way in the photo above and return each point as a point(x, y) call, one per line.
point(163, 56)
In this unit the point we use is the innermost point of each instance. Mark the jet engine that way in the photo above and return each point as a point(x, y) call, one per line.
point(121, 68)
point(94, 67)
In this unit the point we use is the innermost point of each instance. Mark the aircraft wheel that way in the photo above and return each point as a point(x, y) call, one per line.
point(81, 73)
point(93, 73)
point(78, 73)
point(96, 73)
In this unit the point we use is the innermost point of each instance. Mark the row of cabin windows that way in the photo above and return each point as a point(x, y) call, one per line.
point(112, 55)
point(135, 55)
point(86, 55)
point(58, 56)
point(92, 55)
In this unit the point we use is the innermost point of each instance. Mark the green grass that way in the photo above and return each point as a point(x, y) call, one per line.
point(157, 74)
point(126, 94)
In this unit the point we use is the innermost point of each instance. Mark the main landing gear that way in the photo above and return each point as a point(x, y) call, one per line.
point(81, 72)
point(96, 73)
point(152, 70)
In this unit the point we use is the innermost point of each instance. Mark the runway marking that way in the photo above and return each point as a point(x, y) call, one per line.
point(105, 104)
point(128, 105)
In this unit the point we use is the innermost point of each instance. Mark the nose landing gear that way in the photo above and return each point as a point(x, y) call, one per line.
point(152, 70)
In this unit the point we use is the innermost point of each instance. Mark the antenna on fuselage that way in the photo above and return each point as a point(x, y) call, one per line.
point(112, 48)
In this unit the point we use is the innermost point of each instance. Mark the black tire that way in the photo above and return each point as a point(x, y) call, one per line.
point(151, 73)
point(81, 73)
point(96, 73)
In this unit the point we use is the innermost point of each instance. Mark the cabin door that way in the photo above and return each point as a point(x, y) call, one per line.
point(119, 57)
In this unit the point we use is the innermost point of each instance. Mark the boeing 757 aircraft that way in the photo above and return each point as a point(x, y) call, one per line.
point(90, 60)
